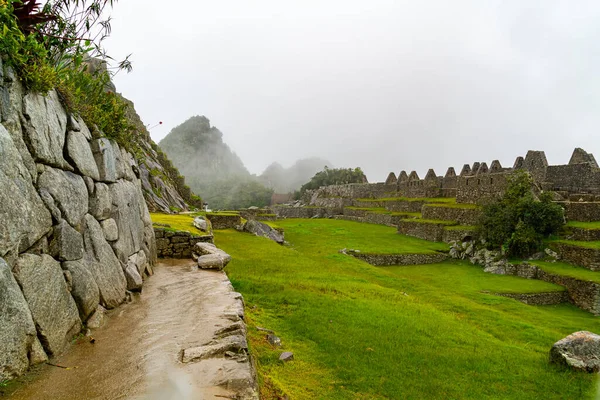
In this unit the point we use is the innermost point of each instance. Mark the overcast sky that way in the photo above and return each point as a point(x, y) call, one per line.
point(384, 85)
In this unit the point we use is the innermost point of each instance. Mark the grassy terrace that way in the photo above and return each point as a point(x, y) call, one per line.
point(584, 225)
point(461, 228)
point(381, 210)
point(420, 332)
point(368, 238)
point(566, 269)
point(465, 206)
point(578, 243)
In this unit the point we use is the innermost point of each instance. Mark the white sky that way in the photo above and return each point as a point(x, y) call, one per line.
point(384, 85)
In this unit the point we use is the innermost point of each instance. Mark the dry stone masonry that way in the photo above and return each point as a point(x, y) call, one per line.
point(75, 232)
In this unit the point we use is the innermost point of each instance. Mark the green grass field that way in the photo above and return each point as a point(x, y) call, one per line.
point(566, 269)
point(588, 245)
point(419, 332)
point(584, 225)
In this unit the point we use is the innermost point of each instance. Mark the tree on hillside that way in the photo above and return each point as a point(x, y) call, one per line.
point(334, 176)
point(519, 221)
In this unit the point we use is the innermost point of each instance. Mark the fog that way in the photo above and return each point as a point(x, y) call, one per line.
point(384, 85)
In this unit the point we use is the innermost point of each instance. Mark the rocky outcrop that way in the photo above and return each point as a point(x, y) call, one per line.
point(261, 229)
point(579, 351)
point(75, 231)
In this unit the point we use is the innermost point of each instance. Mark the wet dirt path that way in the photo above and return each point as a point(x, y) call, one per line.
point(137, 353)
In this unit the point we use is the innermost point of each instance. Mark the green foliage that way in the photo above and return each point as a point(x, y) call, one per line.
point(25, 53)
point(334, 176)
point(518, 222)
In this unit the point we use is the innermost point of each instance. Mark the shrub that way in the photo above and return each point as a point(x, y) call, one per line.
point(333, 176)
point(518, 222)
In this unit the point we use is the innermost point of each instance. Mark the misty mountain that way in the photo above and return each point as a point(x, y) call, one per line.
point(210, 168)
point(285, 180)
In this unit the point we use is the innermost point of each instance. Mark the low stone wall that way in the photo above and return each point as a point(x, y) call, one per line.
point(251, 213)
point(581, 256)
point(457, 235)
point(373, 218)
point(306, 212)
point(464, 216)
point(582, 211)
point(332, 202)
point(177, 244)
point(266, 217)
point(584, 294)
point(368, 204)
point(224, 221)
point(404, 205)
point(587, 235)
point(400, 259)
point(422, 230)
point(538, 299)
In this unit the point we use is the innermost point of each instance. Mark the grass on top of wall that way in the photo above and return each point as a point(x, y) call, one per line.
point(430, 221)
point(368, 238)
point(566, 269)
point(466, 206)
point(584, 225)
point(461, 228)
point(180, 222)
point(420, 332)
point(579, 243)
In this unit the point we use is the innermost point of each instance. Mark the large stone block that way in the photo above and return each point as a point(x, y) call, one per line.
point(17, 331)
point(84, 288)
point(53, 309)
point(46, 128)
point(69, 192)
point(128, 211)
point(100, 202)
point(105, 159)
point(80, 152)
point(66, 243)
point(101, 261)
point(23, 217)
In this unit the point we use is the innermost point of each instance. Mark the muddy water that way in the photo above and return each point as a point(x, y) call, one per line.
point(137, 353)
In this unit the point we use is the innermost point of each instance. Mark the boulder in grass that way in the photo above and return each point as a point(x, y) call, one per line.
point(211, 261)
point(200, 223)
point(579, 351)
point(264, 230)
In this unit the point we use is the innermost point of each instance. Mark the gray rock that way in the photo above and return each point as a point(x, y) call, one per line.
point(46, 128)
point(17, 331)
point(200, 223)
point(24, 218)
point(80, 152)
point(130, 213)
point(72, 123)
point(105, 159)
point(84, 129)
point(211, 261)
point(84, 288)
point(69, 192)
point(205, 248)
point(134, 279)
point(235, 343)
point(89, 183)
point(140, 261)
point(551, 253)
point(66, 243)
point(53, 309)
point(274, 340)
point(101, 261)
point(97, 318)
point(264, 230)
point(110, 229)
point(579, 351)
point(100, 202)
point(119, 162)
point(286, 356)
point(37, 355)
point(50, 205)
point(129, 165)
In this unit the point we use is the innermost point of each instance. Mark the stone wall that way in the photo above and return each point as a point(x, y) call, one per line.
point(464, 216)
point(422, 230)
point(458, 234)
point(219, 221)
point(75, 232)
point(538, 299)
point(587, 235)
point(301, 212)
point(582, 211)
point(177, 244)
point(583, 294)
point(581, 256)
point(400, 259)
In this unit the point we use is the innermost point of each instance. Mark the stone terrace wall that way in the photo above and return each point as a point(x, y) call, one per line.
point(400, 259)
point(427, 231)
point(177, 244)
point(464, 216)
point(538, 299)
point(583, 294)
point(581, 256)
point(224, 221)
point(75, 232)
point(582, 211)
